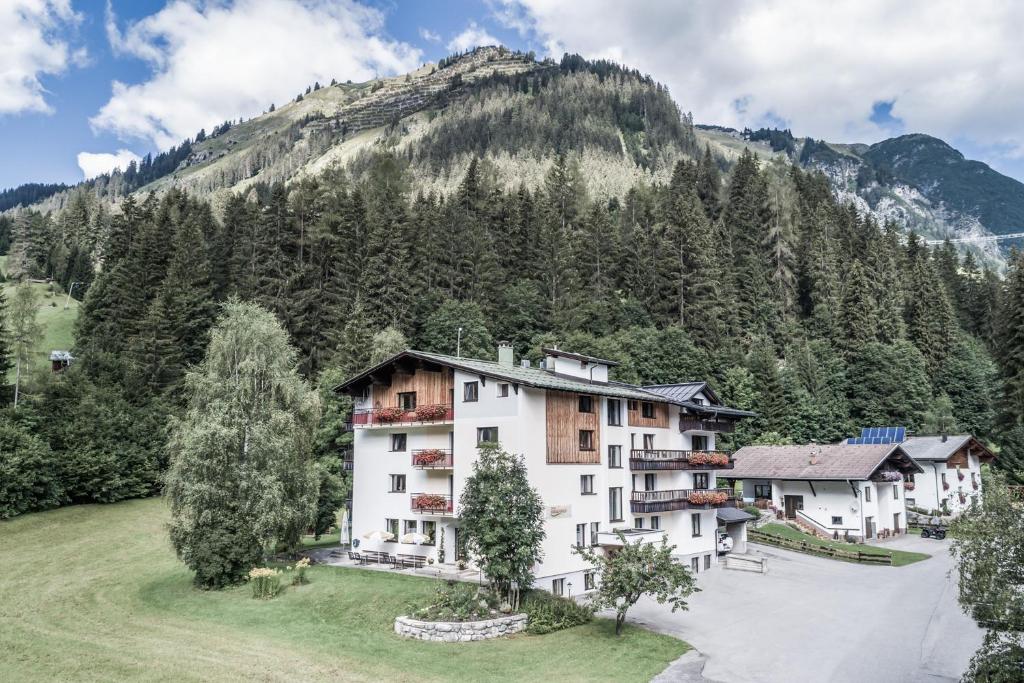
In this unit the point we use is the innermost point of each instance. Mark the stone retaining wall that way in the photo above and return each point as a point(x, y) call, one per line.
point(459, 631)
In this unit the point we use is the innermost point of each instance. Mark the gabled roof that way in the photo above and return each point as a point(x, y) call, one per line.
point(682, 395)
point(531, 376)
point(578, 356)
point(942, 448)
point(833, 462)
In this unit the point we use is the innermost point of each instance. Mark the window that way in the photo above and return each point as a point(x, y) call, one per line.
point(588, 581)
point(697, 401)
point(558, 586)
point(397, 483)
point(398, 442)
point(410, 526)
point(648, 442)
point(581, 535)
point(391, 525)
point(700, 480)
point(471, 391)
point(895, 491)
point(595, 528)
point(614, 412)
point(837, 521)
point(615, 504)
point(911, 502)
point(615, 457)
point(586, 403)
point(430, 531)
point(502, 390)
point(587, 484)
point(647, 410)
point(695, 523)
point(631, 405)
point(867, 494)
point(650, 481)
point(707, 562)
point(407, 400)
point(699, 442)
point(695, 564)
point(655, 522)
point(586, 439)
point(487, 435)
point(762, 490)
point(638, 523)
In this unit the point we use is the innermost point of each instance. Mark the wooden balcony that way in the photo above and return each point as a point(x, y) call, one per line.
point(433, 459)
point(642, 502)
point(647, 459)
point(431, 503)
point(688, 424)
point(395, 416)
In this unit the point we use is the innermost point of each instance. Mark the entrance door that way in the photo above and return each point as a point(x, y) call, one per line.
point(869, 527)
point(792, 504)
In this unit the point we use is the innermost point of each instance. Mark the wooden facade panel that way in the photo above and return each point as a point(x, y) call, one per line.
point(636, 416)
point(958, 459)
point(564, 422)
point(431, 388)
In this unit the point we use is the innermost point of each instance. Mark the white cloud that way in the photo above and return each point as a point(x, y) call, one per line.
point(216, 61)
point(429, 36)
point(951, 69)
point(32, 46)
point(473, 36)
point(94, 164)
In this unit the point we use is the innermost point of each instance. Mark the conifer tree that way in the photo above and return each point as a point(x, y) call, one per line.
point(930, 317)
point(6, 342)
point(858, 321)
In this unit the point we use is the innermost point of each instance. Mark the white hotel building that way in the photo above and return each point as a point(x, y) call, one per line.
point(603, 455)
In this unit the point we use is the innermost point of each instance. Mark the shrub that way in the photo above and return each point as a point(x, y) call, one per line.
point(300, 577)
point(548, 613)
point(751, 510)
point(454, 601)
point(266, 582)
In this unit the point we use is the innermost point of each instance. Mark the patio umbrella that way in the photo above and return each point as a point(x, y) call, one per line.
point(378, 536)
point(413, 538)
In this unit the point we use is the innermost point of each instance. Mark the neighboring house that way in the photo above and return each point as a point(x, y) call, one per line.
point(952, 471)
point(833, 489)
point(60, 360)
point(603, 455)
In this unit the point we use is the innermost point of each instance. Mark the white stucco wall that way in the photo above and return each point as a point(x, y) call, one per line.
point(929, 494)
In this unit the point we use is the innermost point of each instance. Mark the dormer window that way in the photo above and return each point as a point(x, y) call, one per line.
point(647, 410)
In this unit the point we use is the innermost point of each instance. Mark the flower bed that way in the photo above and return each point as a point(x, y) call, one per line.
point(429, 456)
point(460, 631)
point(390, 414)
point(708, 458)
point(430, 501)
point(707, 497)
point(431, 412)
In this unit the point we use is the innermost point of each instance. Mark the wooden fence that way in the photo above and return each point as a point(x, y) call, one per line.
point(755, 536)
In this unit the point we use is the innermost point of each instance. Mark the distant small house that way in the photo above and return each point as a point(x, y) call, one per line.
point(952, 471)
point(837, 490)
point(60, 360)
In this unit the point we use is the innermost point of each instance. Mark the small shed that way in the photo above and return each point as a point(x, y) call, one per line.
point(60, 360)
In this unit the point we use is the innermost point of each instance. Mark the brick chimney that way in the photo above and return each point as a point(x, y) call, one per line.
point(506, 357)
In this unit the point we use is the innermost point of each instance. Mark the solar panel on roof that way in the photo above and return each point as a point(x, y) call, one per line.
point(879, 435)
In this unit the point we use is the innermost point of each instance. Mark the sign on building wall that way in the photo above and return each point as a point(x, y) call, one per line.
point(559, 511)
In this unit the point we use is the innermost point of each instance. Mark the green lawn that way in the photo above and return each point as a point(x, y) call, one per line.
point(899, 557)
point(58, 323)
point(91, 593)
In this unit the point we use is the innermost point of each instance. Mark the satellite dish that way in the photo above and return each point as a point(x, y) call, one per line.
point(853, 508)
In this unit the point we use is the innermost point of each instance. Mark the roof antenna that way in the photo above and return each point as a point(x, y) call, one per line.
point(458, 344)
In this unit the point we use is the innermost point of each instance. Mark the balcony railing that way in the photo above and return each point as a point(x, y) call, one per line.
point(687, 424)
point(432, 458)
point(648, 459)
point(438, 412)
point(431, 503)
point(680, 499)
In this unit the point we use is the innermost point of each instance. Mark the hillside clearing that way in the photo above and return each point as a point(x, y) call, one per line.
point(95, 593)
point(58, 323)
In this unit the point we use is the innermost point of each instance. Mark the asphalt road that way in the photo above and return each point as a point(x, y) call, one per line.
point(816, 620)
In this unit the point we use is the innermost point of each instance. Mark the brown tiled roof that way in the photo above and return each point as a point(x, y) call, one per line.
point(832, 461)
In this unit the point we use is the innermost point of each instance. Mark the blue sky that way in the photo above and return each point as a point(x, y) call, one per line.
point(193, 63)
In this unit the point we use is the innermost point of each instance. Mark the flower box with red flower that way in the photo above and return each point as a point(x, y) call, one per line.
point(431, 503)
point(945, 486)
point(908, 485)
point(707, 497)
point(430, 412)
point(960, 475)
point(708, 458)
point(430, 457)
point(389, 414)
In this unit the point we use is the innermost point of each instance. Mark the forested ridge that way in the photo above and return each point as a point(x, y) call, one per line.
point(754, 278)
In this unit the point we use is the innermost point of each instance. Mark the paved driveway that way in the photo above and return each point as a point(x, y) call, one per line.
point(813, 619)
